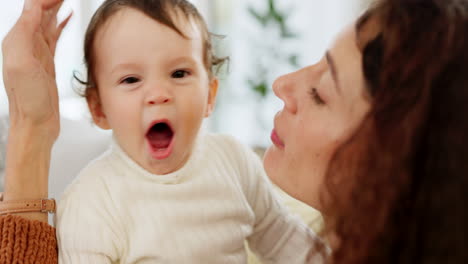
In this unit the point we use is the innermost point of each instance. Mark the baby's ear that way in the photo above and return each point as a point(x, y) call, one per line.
point(213, 91)
point(95, 107)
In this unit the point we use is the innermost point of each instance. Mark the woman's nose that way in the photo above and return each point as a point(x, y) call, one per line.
point(284, 89)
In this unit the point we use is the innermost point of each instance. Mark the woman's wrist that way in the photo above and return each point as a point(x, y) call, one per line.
point(46, 130)
point(27, 164)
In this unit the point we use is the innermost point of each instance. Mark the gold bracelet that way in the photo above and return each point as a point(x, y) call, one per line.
point(26, 206)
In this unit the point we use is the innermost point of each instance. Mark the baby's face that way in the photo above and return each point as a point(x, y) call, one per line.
point(154, 88)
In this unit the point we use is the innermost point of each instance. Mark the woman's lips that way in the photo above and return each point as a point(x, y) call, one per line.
point(276, 139)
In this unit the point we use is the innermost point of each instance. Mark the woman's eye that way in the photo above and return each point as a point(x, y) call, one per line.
point(180, 74)
point(130, 80)
point(316, 97)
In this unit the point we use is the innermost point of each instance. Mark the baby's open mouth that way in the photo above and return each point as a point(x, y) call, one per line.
point(160, 136)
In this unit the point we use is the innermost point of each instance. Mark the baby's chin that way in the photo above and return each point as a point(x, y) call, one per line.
point(174, 162)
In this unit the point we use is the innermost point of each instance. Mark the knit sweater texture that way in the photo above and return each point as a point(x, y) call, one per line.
point(26, 241)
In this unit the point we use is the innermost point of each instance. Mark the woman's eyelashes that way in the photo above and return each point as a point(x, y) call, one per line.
point(316, 96)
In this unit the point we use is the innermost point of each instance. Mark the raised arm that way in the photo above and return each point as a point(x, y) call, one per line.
point(29, 77)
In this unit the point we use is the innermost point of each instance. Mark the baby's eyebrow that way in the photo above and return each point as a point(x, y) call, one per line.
point(121, 66)
point(180, 59)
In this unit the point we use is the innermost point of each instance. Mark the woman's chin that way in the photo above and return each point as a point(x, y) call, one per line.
point(267, 160)
point(271, 163)
point(289, 179)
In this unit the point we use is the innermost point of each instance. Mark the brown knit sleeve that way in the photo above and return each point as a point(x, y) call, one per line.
point(26, 241)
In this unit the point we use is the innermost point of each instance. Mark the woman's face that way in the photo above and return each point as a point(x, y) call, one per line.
point(324, 105)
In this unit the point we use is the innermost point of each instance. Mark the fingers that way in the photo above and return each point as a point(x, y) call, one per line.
point(37, 12)
point(28, 5)
point(49, 3)
point(50, 31)
point(30, 18)
point(49, 18)
point(21, 35)
point(58, 32)
point(63, 24)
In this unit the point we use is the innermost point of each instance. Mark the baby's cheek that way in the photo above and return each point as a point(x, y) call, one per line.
point(193, 109)
point(191, 119)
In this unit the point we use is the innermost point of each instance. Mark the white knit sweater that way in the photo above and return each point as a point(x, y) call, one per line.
point(116, 212)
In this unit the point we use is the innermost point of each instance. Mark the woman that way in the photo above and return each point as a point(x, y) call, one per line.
point(373, 135)
point(383, 133)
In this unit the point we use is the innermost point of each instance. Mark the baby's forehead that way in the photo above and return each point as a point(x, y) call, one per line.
point(183, 24)
point(132, 36)
point(129, 25)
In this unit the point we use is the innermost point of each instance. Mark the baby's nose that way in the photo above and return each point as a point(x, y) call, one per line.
point(157, 96)
point(158, 100)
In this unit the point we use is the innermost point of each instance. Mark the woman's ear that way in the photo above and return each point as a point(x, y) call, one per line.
point(95, 107)
point(213, 91)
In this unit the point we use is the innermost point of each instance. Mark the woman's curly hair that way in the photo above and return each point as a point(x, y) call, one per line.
point(399, 186)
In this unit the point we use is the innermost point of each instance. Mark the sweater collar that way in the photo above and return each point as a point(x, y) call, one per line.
point(176, 177)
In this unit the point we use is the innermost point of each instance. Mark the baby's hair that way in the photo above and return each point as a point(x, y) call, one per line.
point(162, 11)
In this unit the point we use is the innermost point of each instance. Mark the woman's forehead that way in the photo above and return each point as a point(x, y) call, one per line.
point(367, 28)
point(349, 64)
point(345, 46)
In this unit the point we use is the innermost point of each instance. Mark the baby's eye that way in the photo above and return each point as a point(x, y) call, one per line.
point(180, 74)
point(130, 80)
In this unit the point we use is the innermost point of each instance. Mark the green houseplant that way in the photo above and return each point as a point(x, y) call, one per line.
point(271, 20)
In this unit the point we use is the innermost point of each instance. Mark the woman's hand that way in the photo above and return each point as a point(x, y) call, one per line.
point(29, 76)
point(28, 67)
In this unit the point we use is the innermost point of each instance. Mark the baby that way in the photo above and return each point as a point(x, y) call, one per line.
point(166, 192)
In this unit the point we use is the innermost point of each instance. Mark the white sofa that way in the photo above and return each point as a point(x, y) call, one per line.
point(79, 142)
